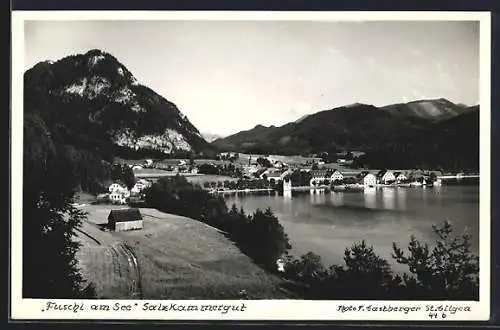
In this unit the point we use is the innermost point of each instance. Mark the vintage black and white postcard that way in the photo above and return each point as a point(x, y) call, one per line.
point(250, 165)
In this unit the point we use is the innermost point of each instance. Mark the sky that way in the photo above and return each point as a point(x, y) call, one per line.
point(228, 76)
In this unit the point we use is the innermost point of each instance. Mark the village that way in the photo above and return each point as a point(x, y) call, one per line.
point(233, 172)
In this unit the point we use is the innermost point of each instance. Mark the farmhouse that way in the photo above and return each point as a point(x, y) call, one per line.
point(126, 219)
point(117, 198)
point(115, 187)
point(139, 186)
point(271, 175)
point(320, 177)
point(369, 180)
point(385, 177)
point(336, 176)
point(400, 177)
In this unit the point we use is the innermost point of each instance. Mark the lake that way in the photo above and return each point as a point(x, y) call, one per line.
point(327, 223)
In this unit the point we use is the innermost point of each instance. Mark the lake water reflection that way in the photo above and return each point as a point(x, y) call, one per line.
point(327, 223)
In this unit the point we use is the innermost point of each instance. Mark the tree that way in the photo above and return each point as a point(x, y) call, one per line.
point(448, 271)
point(49, 182)
point(272, 241)
point(264, 162)
point(308, 268)
point(208, 169)
point(124, 174)
point(364, 276)
point(349, 180)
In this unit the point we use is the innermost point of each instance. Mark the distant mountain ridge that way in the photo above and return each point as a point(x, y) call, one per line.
point(367, 128)
point(360, 126)
point(95, 99)
point(451, 144)
point(436, 109)
point(209, 137)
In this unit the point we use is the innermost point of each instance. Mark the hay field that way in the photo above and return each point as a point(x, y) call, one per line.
point(178, 257)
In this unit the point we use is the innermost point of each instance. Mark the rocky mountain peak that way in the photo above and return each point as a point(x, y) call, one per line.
point(103, 93)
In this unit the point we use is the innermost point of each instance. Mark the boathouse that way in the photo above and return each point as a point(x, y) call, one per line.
point(125, 219)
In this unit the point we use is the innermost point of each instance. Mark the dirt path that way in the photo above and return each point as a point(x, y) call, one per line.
point(133, 265)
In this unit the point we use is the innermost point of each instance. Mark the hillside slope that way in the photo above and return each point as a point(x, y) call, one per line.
point(451, 144)
point(91, 100)
point(359, 126)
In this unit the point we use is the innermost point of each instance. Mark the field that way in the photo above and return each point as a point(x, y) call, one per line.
point(178, 258)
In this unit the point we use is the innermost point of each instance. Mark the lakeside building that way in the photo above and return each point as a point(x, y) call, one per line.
point(385, 177)
point(369, 180)
point(400, 177)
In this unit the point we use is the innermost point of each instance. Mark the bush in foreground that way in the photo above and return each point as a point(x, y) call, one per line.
point(449, 271)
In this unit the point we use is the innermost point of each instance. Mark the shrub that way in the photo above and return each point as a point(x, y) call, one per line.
point(263, 238)
point(449, 271)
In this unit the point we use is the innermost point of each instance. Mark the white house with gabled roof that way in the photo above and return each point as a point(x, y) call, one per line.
point(386, 177)
point(369, 180)
point(336, 176)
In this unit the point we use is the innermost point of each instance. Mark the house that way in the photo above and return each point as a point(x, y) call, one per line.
point(126, 219)
point(277, 164)
point(271, 175)
point(400, 177)
point(139, 186)
point(320, 177)
point(385, 177)
point(118, 194)
point(118, 198)
point(285, 173)
point(336, 176)
point(345, 161)
point(369, 180)
point(250, 169)
point(116, 187)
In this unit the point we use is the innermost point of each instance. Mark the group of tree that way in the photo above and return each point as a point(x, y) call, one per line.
point(231, 156)
point(51, 175)
point(264, 162)
point(123, 174)
point(449, 271)
point(238, 185)
point(220, 169)
point(300, 178)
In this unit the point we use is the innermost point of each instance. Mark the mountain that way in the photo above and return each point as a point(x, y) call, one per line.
point(93, 101)
point(451, 144)
point(209, 137)
point(436, 110)
point(357, 126)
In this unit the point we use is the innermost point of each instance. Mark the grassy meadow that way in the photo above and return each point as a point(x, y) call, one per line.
point(179, 258)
